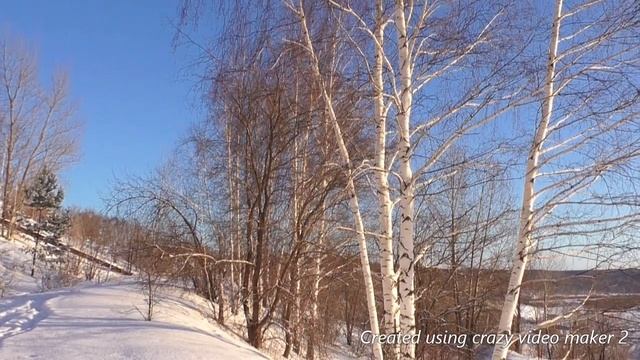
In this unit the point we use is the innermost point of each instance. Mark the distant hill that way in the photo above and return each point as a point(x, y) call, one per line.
point(617, 281)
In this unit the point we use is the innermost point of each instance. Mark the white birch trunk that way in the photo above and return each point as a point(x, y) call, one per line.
point(315, 293)
point(299, 174)
point(232, 210)
point(295, 271)
point(521, 255)
point(389, 285)
point(317, 260)
point(236, 229)
point(354, 204)
point(406, 250)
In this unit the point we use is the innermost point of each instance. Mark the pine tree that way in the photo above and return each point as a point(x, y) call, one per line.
point(45, 196)
point(44, 193)
point(58, 223)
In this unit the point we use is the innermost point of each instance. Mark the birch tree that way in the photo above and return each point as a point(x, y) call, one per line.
point(397, 74)
point(350, 172)
point(586, 136)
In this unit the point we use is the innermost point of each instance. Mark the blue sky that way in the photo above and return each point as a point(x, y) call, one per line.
point(126, 79)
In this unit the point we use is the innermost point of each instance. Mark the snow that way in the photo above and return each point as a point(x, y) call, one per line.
point(101, 321)
point(15, 264)
point(534, 314)
point(485, 353)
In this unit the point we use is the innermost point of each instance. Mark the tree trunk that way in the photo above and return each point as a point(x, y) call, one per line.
point(315, 293)
point(406, 249)
point(524, 245)
point(254, 333)
point(350, 190)
point(288, 341)
point(35, 256)
point(234, 238)
point(385, 220)
point(6, 190)
point(221, 297)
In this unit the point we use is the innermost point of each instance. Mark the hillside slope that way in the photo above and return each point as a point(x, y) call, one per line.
point(15, 264)
point(101, 322)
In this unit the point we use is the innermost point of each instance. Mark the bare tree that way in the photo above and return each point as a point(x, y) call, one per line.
point(37, 124)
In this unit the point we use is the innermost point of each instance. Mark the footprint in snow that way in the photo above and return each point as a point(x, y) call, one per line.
point(17, 319)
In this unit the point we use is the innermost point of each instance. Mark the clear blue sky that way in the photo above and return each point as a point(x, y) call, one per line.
point(126, 79)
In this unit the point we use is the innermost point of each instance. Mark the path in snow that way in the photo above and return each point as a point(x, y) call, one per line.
point(101, 322)
point(22, 314)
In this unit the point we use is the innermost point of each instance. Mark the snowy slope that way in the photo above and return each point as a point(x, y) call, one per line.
point(101, 322)
point(15, 265)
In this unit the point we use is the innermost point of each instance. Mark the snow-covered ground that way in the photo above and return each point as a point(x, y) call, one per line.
point(101, 322)
point(15, 265)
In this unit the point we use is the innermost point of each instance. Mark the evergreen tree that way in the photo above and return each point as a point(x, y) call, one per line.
point(45, 196)
point(57, 223)
point(44, 193)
